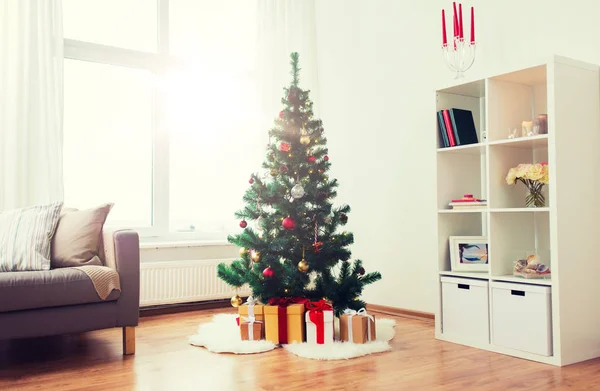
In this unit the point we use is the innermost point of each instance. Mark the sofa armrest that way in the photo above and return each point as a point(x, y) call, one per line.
point(122, 252)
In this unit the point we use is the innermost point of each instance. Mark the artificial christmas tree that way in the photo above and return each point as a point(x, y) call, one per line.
point(291, 243)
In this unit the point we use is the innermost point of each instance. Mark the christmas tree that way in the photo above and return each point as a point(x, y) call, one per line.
point(292, 243)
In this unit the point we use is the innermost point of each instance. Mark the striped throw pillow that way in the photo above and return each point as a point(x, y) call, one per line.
point(26, 237)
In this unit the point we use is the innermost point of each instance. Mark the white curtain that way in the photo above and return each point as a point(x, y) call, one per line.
point(286, 26)
point(31, 102)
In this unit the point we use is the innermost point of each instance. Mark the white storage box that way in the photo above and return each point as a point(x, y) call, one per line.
point(522, 317)
point(465, 310)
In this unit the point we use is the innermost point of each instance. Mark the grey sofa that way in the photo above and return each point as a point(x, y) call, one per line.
point(64, 301)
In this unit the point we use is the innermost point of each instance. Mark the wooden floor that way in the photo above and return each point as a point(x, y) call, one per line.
point(164, 361)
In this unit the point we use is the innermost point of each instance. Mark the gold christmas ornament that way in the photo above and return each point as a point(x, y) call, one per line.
point(255, 256)
point(243, 251)
point(273, 172)
point(303, 266)
point(304, 140)
point(236, 301)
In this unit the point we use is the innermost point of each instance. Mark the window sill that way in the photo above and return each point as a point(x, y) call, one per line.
point(156, 244)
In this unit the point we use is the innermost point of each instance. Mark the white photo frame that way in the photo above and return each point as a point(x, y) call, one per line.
point(474, 259)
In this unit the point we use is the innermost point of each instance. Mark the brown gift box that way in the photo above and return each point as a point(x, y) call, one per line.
point(295, 323)
point(257, 329)
point(360, 328)
point(258, 312)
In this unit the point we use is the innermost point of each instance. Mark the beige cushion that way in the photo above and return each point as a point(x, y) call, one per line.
point(78, 237)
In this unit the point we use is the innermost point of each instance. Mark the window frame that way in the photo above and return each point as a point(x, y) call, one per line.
point(157, 64)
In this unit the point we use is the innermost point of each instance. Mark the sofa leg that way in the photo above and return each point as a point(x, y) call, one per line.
point(128, 340)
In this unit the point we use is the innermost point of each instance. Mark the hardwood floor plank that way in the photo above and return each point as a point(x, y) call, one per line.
point(165, 361)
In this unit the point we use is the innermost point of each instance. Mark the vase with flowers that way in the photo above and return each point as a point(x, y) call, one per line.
point(534, 176)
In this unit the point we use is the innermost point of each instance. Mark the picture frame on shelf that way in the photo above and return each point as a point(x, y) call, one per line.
point(469, 253)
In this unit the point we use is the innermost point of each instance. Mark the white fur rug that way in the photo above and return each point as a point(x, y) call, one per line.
point(222, 335)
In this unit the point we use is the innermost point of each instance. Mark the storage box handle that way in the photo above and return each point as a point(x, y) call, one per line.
point(464, 286)
point(517, 293)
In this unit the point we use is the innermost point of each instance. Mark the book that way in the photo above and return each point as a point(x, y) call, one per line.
point(442, 127)
point(463, 126)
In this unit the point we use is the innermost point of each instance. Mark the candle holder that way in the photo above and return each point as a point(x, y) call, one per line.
point(459, 58)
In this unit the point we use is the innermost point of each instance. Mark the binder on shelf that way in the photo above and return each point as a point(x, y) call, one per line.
point(463, 126)
point(442, 127)
point(449, 130)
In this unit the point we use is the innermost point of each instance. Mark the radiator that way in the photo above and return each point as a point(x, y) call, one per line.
point(183, 282)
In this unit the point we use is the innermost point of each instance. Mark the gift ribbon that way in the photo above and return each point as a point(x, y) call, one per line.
point(361, 312)
point(282, 303)
point(250, 320)
point(315, 314)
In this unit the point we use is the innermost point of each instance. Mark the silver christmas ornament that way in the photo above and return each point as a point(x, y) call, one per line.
point(297, 191)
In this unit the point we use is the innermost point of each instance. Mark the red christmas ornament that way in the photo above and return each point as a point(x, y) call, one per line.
point(283, 169)
point(326, 158)
point(268, 272)
point(284, 147)
point(312, 159)
point(361, 271)
point(318, 246)
point(288, 223)
point(251, 181)
point(243, 224)
point(344, 218)
point(281, 114)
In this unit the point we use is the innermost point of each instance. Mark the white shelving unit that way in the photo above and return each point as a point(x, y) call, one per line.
point(564, 234)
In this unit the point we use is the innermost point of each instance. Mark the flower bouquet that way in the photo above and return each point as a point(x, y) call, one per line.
point(534, 176)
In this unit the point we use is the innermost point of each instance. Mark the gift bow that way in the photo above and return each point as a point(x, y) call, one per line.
point(315, 314)
point(251, 301)
point(361, 312)
point(285, 301)
point(320, 305)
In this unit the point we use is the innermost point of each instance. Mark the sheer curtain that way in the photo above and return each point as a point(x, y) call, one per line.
point(285, 26)
point(31, 83)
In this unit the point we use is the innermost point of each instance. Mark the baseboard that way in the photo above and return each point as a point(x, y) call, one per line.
point(185, 307)
point(426, 316)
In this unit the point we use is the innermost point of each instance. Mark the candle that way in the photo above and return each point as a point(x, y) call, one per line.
point(444, 38)
point(455, 20)
point(472, 25)
point(460, 22)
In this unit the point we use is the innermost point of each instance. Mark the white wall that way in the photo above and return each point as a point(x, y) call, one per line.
point(379, 64)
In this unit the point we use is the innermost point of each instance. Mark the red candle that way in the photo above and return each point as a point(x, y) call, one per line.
point(455, 20)
point(444, 37)
point(460, 22)
point(472, 26)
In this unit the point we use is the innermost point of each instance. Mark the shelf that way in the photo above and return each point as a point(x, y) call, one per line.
point(470, 149)
point(539, 141)
point(520, 210)
point(475, 275)
point(477, 210)
point(520, 280)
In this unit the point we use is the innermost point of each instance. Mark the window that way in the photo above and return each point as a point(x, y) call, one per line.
point(160, 113)
point(108, 139)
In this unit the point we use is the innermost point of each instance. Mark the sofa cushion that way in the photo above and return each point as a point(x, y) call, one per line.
point(26, 235)
point(78, 237)
point(39, 289)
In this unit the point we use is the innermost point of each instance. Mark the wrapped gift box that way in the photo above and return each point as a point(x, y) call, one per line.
point(284, 324)
point(319, 323)
point(357, 326)
point(251, 331)
point(251, 308)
